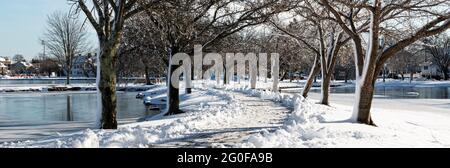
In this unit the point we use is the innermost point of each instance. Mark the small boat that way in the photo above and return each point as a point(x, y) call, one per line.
point(140, 95)
point(148, 101)
point(413, 94)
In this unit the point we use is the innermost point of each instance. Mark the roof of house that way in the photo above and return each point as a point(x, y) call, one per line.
point(426, 64)
point(25, 64)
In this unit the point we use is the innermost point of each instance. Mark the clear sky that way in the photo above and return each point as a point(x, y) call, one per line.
point(22, 24)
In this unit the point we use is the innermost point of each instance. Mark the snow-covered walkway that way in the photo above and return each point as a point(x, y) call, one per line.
point(252, 115)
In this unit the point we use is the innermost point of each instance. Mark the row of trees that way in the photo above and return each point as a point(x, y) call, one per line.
point(323, 31)
point(375, 30)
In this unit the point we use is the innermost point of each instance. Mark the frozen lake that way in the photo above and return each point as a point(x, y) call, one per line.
point(67, 106)
point(43, 81)
point(394, 92)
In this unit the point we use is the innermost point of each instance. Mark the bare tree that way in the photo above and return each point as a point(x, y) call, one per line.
point(306, 34)
point(182, 24)
point(66, 38)
point(107, 17)
point(345, 63)
point(439, 49)
point(142, 43)
point(18, 58)
point(326, 43)
point(386, 18)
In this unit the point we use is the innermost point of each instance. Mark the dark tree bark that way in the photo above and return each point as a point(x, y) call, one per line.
point(107, 86)
point(173, 102)
point(68, 76)
point(284, 76)
point(311, 78)
point(363, 103)
point(346, 76)
point(147, 75)
point(445, 71)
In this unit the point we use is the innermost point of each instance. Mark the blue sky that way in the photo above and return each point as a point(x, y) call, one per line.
point(22, 24)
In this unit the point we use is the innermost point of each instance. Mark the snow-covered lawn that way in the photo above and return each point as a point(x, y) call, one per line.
point(240, 117)
point(313, 125)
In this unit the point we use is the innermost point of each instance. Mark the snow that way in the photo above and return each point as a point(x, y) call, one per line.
point(212, 115)
point(313, 125)
point(237, 116)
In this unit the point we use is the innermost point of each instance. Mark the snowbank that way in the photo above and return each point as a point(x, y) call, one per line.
point(201, 114)
point(316, 126)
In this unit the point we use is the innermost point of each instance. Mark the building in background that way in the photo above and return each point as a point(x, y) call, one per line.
point(84, 66)
point(22, 68)
point(431, 70)
point(5, 65)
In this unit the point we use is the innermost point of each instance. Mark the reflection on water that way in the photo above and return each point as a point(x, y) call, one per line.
point(65, 106)
point(69, 110)
point(402, 92)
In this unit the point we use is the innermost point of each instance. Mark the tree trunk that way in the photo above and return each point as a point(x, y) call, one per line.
point(192, 76)
point(107, 87)
point(173, 95)
point(309, 83)
point(326, 81)
point(68, 76)
point(445, 71)
point(411, 76)
point(225, 82)
point(363, 103)
point(346, 76)
point(68, 79)
point(188, 83)
point(188, 90)
point(147, 76)
point(284, 76)
point(291, 77)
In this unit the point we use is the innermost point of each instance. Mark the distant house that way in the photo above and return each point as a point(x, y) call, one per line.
point(429, 69)
point(23, 68)
point(5, 64)
point(84, 66)
point(3, 69)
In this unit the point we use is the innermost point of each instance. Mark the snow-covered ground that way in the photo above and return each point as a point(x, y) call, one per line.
point(235, 116)
point(214, 118)
point(313, 125)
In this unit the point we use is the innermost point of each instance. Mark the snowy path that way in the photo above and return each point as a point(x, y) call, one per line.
point(255, 116)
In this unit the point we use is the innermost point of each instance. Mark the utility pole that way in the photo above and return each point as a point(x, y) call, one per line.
point(43, 44)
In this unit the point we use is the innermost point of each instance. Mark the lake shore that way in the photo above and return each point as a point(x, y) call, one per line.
point(10, 88)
